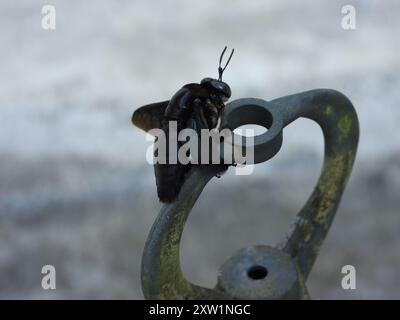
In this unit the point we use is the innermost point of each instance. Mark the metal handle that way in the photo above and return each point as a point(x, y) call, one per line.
point(261, 272)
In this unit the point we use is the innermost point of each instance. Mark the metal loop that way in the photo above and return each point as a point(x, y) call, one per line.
point(281, 272)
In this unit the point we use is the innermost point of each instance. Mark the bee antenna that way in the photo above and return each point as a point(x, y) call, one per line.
point(220, 69)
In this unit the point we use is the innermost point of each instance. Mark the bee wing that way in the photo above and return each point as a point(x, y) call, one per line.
point(149, 116)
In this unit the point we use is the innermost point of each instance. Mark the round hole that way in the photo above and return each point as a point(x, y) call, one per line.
point(250, 130)
point(249, 114)
point(257, 272)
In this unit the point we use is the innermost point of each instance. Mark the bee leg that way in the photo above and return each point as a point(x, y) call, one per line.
point(224, 168)
point(199, 114)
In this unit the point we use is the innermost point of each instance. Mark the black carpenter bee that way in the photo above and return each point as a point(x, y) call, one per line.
point(196, 106)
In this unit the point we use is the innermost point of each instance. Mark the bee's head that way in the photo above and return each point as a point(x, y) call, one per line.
point(218, 87)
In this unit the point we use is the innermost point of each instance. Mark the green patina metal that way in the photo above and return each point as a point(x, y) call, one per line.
point(290, 262)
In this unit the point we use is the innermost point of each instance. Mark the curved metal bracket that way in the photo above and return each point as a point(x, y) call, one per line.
point(286, 267)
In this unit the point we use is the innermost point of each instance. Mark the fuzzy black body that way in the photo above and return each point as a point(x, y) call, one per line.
point(193, 103)
point(189, 103)
point(196, 106)
point(170, 176)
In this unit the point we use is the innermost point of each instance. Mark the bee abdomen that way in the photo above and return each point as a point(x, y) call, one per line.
point(170, 176)
point(169, 180)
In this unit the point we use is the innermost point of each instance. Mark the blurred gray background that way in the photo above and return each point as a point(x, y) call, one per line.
point(77, 193)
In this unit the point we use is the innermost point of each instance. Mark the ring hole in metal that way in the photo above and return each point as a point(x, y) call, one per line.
point(256, 115)
point(250, 130)
point(251, 111)
point(257, 272)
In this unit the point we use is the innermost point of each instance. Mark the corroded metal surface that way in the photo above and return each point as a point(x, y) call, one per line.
point(261, 272)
